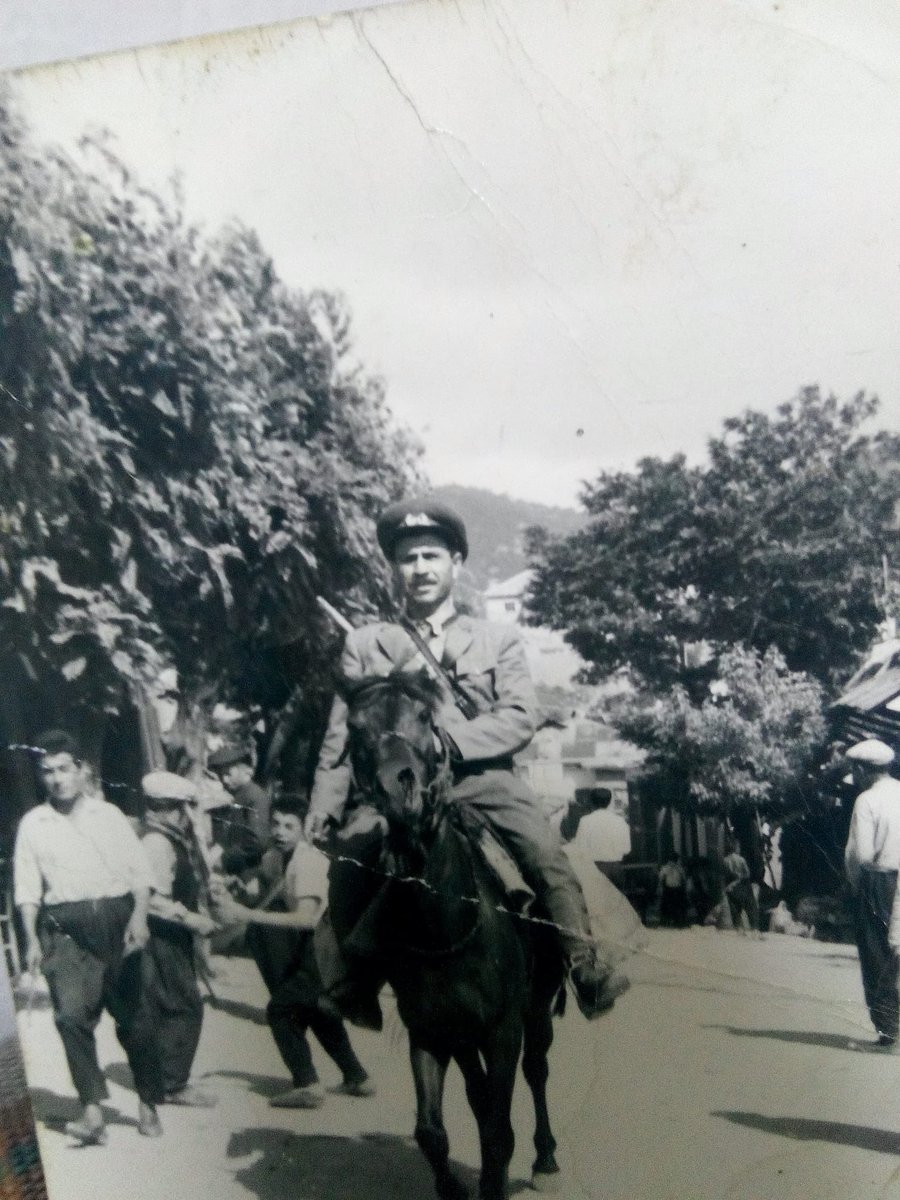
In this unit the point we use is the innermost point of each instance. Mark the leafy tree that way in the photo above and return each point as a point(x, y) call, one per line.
point(189, 451)
point(743, 749)
point(776, 541)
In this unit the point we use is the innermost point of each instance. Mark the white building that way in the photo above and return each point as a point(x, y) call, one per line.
point(581, 755)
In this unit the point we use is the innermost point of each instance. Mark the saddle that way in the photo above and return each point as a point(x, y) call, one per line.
point(501, 865)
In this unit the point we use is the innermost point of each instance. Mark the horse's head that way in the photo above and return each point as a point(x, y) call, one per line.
point(396, 759)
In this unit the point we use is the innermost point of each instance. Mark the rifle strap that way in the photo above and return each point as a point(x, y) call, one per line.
point(463, 702)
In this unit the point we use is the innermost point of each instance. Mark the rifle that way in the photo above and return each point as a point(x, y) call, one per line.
point(339, 620)
point(463, 702)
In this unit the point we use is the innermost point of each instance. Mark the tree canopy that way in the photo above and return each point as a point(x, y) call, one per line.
point(189, 450)
point(777, 540)
point(746, 744)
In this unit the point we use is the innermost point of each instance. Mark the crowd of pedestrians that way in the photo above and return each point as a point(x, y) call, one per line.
point(116, 919)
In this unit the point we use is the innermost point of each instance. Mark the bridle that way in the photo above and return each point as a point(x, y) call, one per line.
point(435, 793)
point(435, 796)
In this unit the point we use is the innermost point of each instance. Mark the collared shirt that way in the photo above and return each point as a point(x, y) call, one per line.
point(875, 829)
point(90, 854)
point(433, 629)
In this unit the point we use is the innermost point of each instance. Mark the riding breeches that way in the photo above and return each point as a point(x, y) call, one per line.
point(514, 815)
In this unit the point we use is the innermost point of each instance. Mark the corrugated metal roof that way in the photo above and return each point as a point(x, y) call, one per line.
point(867, 725)
point(879, 658)
point(871, 693)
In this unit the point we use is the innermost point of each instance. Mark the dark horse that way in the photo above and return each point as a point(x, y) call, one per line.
point(474, 983)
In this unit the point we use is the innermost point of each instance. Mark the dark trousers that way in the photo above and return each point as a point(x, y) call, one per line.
point(87, 972)
point(287, 963)
point(742, 898)
point(673, 906)
point(874, 901)
point(173, 1001)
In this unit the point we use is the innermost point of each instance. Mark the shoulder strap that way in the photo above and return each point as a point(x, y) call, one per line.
point(462, 701)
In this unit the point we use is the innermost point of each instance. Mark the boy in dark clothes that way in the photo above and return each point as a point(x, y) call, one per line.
point(294, 889)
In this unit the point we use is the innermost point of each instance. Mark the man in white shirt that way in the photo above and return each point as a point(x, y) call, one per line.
point(872, 860)
point(82, 885)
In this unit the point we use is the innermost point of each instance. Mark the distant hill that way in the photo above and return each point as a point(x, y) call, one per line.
point(496, 525)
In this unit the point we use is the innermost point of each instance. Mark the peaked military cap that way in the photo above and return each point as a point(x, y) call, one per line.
point(872, 753)
point(162, 788)
point(421, 516)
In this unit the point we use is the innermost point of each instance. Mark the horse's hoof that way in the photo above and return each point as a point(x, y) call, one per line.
point(546, 1181)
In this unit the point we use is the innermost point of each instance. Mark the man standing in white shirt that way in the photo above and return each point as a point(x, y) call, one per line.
point(82, 885)
point(872, 860)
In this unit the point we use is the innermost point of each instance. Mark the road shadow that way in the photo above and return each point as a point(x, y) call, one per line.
point(260, 1085)
point(797, 1037)
point(292, 1166)
point(52, 1111)
point(237, 1008)
point(883, 1141)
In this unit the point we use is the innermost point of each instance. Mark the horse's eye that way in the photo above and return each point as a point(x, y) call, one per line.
point(424, 718)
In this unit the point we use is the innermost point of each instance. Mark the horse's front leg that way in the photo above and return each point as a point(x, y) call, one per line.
point(429, 1071)
point(538, 1038)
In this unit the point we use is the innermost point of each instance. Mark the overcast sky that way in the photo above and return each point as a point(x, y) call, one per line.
point(571, 233)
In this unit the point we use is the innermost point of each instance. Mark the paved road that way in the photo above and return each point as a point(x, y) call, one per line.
point(725, 1074)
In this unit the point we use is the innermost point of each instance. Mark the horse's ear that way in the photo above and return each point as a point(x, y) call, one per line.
point(419, 683)
point(348, 688)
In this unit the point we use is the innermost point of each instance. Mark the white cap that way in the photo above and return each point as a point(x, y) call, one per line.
point(872, 753)
point(166, 786)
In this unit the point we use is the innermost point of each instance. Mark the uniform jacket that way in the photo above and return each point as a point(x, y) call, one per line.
point(488, 662)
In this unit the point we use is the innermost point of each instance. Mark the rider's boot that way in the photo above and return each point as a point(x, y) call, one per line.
point(350, 986)
point(596, 986)
point(355, 999)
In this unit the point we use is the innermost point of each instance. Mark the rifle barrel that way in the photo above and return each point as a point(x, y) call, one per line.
point(332, 612)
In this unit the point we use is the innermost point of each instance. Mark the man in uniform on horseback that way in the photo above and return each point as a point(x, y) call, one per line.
point(489, 714)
